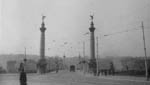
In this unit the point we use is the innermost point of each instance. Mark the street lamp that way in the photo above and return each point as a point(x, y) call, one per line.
point(146, 66)
point(25, 59)
point(87, 33)
point(97, 56)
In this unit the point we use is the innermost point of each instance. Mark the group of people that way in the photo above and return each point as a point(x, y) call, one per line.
point(106, 72)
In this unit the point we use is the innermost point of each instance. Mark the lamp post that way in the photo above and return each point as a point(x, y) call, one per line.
point(64, 61)
point(97, 56)
point(25, 58)
point(85, 62)
point(146, 66)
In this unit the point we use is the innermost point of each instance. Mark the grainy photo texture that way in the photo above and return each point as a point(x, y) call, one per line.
point(74, 42)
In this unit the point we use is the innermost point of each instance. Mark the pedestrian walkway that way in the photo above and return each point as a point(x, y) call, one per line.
point(72, 78)
point(116, 77)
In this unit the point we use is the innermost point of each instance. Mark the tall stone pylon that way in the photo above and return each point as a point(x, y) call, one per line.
point(42, 63)
point(92, 64)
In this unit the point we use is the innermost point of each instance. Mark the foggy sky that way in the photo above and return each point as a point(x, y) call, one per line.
point(68, 21)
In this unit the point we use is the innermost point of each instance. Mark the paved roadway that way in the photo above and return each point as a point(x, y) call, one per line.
point(71, 78)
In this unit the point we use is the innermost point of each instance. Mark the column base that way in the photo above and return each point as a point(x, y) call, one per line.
point(93, 66)
point(42, 66)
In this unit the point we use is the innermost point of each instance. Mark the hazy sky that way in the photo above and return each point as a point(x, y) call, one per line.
point(68, 21)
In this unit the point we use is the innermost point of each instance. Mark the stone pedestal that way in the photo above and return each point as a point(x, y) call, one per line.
point(42, 63)
point(92, 66)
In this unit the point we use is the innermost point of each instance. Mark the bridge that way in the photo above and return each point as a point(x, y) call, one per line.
point(72, 78)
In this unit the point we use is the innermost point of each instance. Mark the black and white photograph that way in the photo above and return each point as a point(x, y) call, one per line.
point(74, 42)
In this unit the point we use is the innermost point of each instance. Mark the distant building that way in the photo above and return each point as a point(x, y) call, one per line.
point(30, 66)
point(2, 70)
point(83, 64)
point(11, 67)
point(54, 63)
point(51, 66)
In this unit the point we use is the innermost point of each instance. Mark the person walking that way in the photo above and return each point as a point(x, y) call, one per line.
point(149, 73)
point(23, 76)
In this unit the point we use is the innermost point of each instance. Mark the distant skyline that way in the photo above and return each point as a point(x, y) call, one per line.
point(68, 20)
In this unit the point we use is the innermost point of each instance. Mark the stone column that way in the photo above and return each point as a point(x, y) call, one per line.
point(42, 43)
point(42, 61)
point(92, 64)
